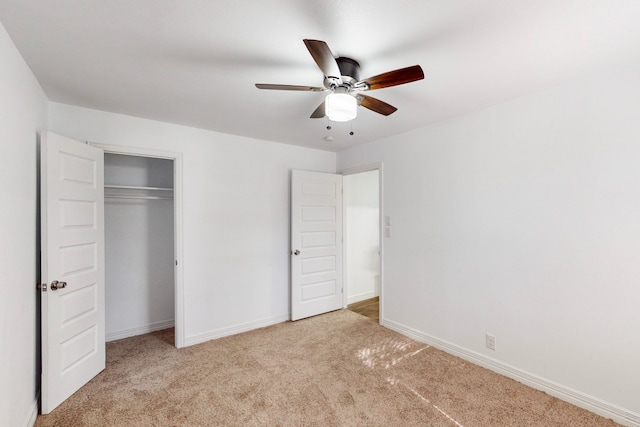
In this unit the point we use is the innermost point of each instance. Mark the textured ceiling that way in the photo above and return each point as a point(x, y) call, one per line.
point(196, 62)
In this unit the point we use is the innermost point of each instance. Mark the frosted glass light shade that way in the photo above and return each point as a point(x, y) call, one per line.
point(340, 107)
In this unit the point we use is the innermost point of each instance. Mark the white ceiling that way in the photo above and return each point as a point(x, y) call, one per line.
point(195, 62)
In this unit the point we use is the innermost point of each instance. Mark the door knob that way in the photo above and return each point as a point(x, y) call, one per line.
point(296, 252)
point(55, 285)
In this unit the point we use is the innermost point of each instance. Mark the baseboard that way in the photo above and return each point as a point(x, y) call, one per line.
point(33, 413)
point(361, 297)
point(236, 329)
point(145, 329)
point(582, 400)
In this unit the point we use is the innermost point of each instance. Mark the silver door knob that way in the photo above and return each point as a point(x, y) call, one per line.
point(55, 285)
point(296, 252)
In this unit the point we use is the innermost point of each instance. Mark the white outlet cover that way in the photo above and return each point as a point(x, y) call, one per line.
point(491, 342)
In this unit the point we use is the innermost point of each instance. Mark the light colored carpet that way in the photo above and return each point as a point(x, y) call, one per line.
point(338, 369)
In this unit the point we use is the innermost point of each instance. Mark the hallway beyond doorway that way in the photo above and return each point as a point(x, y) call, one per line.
point(369, 308)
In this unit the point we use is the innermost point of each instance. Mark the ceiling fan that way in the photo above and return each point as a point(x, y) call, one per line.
point(341, 78)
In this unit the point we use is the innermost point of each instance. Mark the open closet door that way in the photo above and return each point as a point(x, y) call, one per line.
point(316, 243)
point(72, 215)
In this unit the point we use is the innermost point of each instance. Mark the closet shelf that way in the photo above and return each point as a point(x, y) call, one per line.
point(134, 192)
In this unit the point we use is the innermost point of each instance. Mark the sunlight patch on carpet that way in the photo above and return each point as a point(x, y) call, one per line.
point(387, 353)
point(393, 380)
point(429, 402)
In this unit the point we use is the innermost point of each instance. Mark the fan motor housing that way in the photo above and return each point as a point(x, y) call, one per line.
point(349, 70)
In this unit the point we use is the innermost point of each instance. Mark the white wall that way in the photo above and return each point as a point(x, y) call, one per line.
point(523, 221)
point(362, 206)
point(235, 214)
point(22, 116)
point(139, 247)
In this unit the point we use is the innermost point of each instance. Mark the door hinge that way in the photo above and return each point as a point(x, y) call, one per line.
point(42, 287)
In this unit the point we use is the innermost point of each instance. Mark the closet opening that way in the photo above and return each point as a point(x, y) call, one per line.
point(142, 243)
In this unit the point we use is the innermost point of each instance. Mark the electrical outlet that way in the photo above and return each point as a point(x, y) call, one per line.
point(491, 342)
point(387, 232)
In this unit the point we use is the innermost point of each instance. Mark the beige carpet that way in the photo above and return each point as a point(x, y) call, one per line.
point(338, 369)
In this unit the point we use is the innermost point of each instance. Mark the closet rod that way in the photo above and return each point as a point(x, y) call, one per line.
point(109, 196)
point(131, 187)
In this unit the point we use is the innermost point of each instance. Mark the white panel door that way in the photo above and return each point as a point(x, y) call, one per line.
point(72, 215)
point(316, 243)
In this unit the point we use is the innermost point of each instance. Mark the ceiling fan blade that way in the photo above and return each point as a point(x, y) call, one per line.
point(289, 87)
point(395, 78)
point(321, 53)
point(319, 112)
point(376, 105)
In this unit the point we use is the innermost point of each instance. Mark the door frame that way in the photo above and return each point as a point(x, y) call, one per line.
point(177, 224)
point(351, 171)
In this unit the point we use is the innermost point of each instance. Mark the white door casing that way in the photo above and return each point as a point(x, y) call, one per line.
point(72, 215)
point(316, 243)
point(176, 158)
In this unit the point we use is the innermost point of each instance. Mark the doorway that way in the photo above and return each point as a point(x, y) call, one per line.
point(362, 237)
point(139, 258)
point(143, 277)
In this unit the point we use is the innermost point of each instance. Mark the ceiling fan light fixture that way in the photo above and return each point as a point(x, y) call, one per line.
point(341, 107)
point(341, 78)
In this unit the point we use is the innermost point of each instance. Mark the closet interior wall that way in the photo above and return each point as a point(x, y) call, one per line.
point(139, 245)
